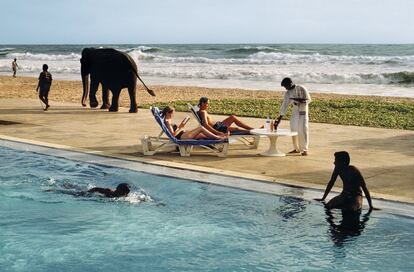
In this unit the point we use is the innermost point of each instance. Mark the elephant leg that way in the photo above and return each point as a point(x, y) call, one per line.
point(105, 98)
point(93, 102)
point(132, 96)
point(115, 98)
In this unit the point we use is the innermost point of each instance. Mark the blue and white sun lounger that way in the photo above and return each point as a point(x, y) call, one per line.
point(250, 140)
point(152, 145)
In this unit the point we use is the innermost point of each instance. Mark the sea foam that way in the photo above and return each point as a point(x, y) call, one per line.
point(351, 65)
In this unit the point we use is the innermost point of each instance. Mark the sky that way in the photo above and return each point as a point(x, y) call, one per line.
point(205, 21)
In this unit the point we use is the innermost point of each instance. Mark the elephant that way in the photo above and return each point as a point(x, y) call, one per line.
point(114, 70)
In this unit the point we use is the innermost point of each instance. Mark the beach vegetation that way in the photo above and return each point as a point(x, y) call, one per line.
point(355, 112)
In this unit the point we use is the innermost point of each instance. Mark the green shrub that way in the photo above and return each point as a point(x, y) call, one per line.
point(369, 113)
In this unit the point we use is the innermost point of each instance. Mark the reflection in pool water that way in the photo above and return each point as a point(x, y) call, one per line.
point(346, 226)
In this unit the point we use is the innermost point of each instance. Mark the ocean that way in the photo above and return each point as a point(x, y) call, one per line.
point(366, 69)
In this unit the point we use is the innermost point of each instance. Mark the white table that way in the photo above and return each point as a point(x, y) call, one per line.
point(273, 135)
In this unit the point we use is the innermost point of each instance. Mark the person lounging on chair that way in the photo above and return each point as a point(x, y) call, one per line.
point(180, 133)
point(184, 140)
point(241, 134)
point(220, 127)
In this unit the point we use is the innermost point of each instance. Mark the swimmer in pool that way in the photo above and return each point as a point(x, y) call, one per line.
point(121, 190)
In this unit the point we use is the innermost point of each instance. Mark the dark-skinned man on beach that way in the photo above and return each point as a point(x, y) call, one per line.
point(43, 87)
point(299, 122)
point(350, 199)
point(14, 67)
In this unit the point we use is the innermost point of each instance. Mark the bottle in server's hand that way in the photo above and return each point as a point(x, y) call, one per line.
point(267, 124)
point(275, 124)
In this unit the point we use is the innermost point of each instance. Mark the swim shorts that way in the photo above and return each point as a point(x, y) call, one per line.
point(219, 126)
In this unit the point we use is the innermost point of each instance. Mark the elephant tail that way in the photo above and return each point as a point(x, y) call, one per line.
point(151, 92)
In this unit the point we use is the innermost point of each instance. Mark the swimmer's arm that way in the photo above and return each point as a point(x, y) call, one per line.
point(367, 194)
point(38, 85)
point(171, 129)
point(104, 191)
point(331, 183)
point(207, 123)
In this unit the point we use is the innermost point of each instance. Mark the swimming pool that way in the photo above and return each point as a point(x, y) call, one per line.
point(182, 225)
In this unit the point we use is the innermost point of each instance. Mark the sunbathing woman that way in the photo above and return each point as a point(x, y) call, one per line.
point(180, 133)
point(350, 198)
point(220, 127)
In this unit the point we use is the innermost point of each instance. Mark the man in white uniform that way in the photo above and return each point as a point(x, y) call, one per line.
point(299, 122)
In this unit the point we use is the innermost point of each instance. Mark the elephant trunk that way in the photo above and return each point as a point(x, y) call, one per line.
point(85, 84)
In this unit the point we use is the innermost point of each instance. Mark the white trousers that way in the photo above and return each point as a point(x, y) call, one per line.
point(299, 122)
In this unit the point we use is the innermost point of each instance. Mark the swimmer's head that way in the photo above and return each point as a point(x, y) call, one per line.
point(342, 158)
point(122, 189)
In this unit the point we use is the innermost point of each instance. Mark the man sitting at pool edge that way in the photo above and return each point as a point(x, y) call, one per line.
point(350, 198)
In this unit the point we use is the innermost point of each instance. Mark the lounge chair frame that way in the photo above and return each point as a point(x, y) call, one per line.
point(154, 144)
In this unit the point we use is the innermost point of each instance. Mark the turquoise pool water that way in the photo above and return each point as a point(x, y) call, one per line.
point(178, 225)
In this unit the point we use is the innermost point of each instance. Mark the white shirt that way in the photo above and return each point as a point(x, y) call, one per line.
point(297, 92)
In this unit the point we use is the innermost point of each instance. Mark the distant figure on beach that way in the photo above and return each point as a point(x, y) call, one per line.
point(220, 127)
point(121, 190)
point(299, 122)
point(350, 198)
point(180, 133)
point(14, 67)
point(43, 87)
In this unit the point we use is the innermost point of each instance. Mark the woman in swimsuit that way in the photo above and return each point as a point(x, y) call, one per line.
point(353, 184)
point(220, 127)
point(180, 133)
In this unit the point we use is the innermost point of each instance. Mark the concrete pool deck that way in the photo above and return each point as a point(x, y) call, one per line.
point(384, 156)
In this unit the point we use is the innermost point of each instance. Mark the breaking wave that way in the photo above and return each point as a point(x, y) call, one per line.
point(260, 55)
point(278, 58)
point(144, 48)
point(251, 50)
point(398, 78)
point(325, 64)
point(6, 50)
point(45, 57)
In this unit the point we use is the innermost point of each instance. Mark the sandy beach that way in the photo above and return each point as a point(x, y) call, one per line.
point(71, 91)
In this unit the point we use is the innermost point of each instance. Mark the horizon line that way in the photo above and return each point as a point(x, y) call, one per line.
point(231, 43)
